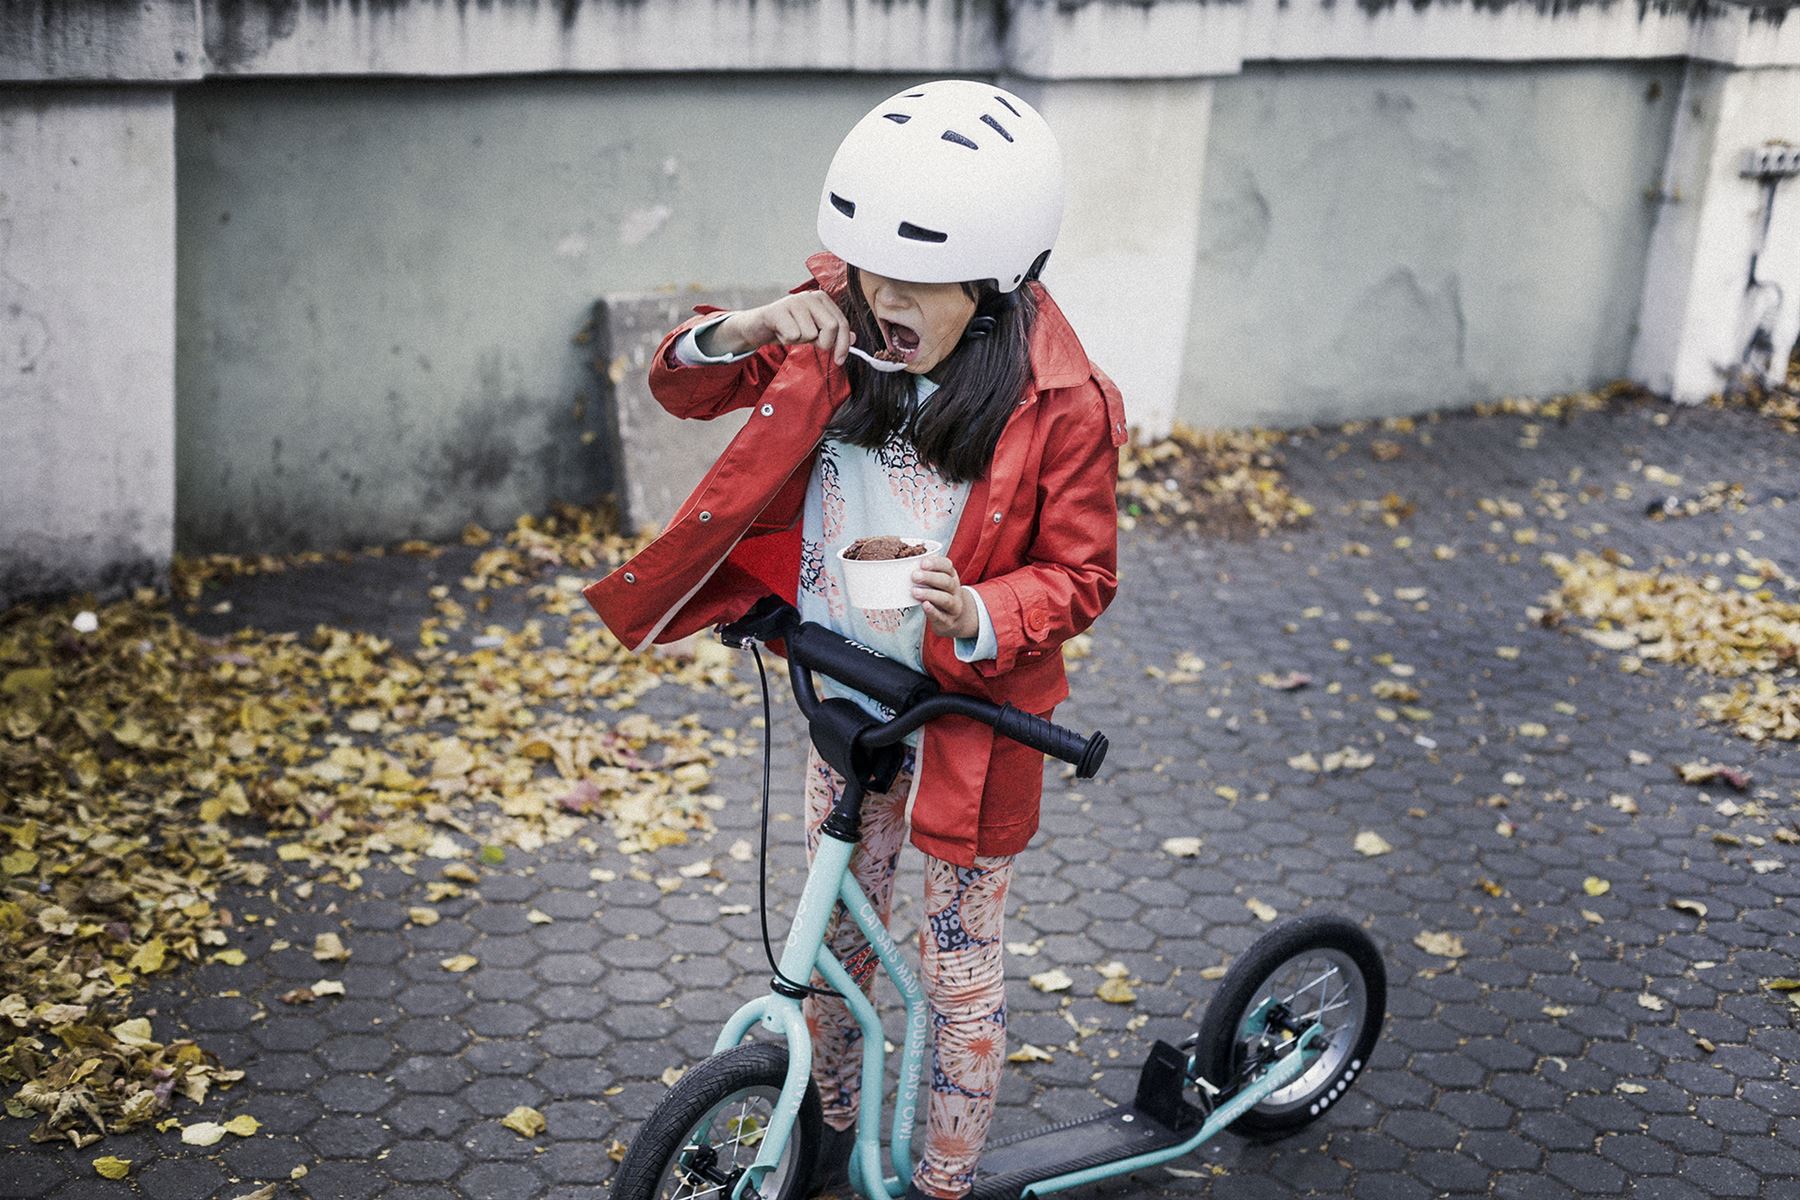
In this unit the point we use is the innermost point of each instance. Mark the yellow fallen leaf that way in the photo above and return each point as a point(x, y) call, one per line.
point(329, 947)
point(135, 1032)
point(1534, 729)
point(243, 1125)
point(327, 987)
point(1054, 980)
point(202, 1133)
point(1263, 912)
point(422, 916)
point(1631, 1089)
point(1116, 991)
point(1593, 885)
point(1691, 907)
point(109, 1167)
point(150, 957)
point(1372, 844)
point(456, 964)
point(1029, 1053)
point(538, 917)
point(1444, 945)
point(231, 958)
point(1182, 847)
point(672, 1075)
point(524, 1121)
point(1555, 1010)
point(616, 1149)
point(1653, 1003)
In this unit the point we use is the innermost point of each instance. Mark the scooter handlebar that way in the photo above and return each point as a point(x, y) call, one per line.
point(1085, 754)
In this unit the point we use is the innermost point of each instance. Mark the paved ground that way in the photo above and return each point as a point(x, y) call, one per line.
point(1475, 1090)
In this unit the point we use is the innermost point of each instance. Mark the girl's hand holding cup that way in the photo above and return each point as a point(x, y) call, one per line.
point(949, 609)
point(802, 319)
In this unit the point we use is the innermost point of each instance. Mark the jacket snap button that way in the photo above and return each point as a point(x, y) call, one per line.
point(630, 578)
point(768, 410)
point(996, 518)
point(705, 517)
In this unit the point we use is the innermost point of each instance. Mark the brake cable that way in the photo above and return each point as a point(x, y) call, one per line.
point(762, 857)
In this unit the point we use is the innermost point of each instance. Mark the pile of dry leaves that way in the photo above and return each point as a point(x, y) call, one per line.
point(1744, 627)
point(1562, 407)
point(1778, 402)
point(1217, 481)
point(147, 767)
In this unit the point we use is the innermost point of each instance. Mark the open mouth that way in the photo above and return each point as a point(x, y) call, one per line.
point(902, 341)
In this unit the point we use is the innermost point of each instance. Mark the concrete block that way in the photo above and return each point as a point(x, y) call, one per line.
point(91, 40)
point(1700, 313)
point(87, 338)
point(661, 458)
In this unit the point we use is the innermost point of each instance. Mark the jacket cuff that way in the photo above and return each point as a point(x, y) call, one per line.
point(983, 646)
point(687, 352)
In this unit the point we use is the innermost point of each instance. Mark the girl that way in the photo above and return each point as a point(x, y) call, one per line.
point(999, 440)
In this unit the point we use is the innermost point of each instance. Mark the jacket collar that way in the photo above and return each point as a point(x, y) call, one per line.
point(1057, 357)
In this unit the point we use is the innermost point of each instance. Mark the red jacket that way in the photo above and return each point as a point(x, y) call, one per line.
point(1038, 538)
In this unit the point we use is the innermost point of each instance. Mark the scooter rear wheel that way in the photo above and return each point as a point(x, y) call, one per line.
point(708, 1129)
point(1322, 970)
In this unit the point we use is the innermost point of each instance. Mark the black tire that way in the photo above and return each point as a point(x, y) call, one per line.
point(1297, 950)
point(748, 1079)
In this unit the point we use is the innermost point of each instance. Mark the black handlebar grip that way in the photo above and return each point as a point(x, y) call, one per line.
point(854, 665)
point(1085, 753)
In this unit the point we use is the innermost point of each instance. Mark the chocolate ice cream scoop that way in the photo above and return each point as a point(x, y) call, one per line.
point(880, 549)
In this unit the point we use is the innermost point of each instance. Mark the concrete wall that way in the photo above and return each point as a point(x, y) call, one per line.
point(379, 281)
point(1381, 239)
point(394, 216)
point(87, 323)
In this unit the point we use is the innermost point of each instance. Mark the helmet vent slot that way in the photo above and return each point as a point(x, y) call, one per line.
point(913, 233)
point(847, 207)
point(996, 126)
point(898, 118)
point(912, 95)
point(1009, 108)
point(950, 135)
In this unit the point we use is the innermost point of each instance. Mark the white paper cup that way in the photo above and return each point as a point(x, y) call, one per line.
point(884, 583)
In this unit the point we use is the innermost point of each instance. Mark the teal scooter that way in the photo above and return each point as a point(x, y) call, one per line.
point(1291, 1026)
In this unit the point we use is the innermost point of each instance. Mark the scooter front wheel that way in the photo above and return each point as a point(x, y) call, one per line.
point(703, 1135)
point(1319, 970)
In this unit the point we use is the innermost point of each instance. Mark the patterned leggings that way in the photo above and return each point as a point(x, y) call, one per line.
point(964, 978)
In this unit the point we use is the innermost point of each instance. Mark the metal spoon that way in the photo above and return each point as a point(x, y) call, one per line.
point(880, 364)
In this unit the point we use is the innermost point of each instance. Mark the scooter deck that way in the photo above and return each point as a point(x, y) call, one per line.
point(1009, 1166)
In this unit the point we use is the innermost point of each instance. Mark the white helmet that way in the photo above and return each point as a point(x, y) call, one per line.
point(945, 182)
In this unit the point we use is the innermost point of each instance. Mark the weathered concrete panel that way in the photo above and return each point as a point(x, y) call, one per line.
point(87, 338)
point(1133, 152)
point(1701, 316)
point(663, 458)
point(73, 40)
point(1387, 239)
point(379, 281)
point(453, 37)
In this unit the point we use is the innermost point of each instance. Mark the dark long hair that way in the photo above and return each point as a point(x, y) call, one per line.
point(983, 380)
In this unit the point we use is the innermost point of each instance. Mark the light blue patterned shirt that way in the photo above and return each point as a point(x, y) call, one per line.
point(853, 493)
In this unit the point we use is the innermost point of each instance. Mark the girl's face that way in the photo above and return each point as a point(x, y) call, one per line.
point(922, 322)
